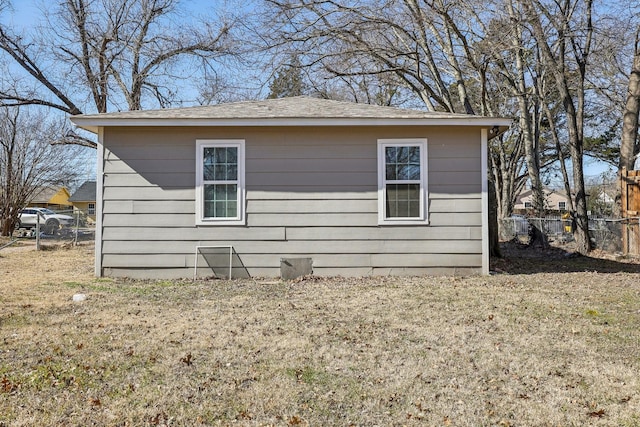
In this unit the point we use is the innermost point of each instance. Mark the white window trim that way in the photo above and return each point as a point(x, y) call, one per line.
point(424, 194)
point(201, 144)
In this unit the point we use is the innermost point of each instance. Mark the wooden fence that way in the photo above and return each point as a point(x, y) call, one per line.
point(630, 211)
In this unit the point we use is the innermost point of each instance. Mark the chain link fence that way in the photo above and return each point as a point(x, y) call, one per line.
point(44, 225)
point(606, 233)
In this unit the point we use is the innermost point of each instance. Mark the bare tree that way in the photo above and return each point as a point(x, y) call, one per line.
point(412, 40)
point(564, 32)
point(123, 54)
point(528, 114)
point(29, 162)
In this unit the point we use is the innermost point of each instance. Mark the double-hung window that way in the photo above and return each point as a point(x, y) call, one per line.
point(402, 181)
point(220, 182)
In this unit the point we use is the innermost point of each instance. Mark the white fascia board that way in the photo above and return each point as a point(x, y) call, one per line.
point(94, 123)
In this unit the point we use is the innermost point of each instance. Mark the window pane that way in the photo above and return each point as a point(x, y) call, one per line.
point(220, 173)
point(208, 172)
point(390, 171)
point(232, 209)
point(209, 191)
point(209, 155)
point(220, 155)
point(407, 172)
point(414, 155)
point(220, 209)
point(403, 200)
point(402, 155)
point(414, 208)
point(390, 155)
point(220, 163)
point(209, 209)
point(390, 162)
point(232, 171)
point(220, 200)
point(232, 155)
point(220, 192)
point(413, 192)
point(402, 209)
point(402, 163)
point(413, 171)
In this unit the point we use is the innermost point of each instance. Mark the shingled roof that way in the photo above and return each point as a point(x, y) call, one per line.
point(294, 111)
point(85, 193)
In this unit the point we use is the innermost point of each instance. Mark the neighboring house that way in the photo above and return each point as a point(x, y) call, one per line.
point(554, 200)
point(605, 197)
point(357, 189)
point(54, 198)
point(601, 202)
point(84, 199)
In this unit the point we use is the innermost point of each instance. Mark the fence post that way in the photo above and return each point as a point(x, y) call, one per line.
point(75, 239)
point(38, 231)
point(623, 210)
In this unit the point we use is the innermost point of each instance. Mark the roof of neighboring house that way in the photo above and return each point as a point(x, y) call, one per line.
point(293, 111)
point(46, 194)
point(546, 191)
point(607, 196)
point(43, 195)
point(85, 193)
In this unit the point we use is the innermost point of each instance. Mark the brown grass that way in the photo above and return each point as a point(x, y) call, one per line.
point(511, 349)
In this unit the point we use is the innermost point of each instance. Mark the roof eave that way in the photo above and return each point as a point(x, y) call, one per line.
point(93, 124)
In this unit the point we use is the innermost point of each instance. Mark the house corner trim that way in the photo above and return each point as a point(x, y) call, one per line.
point(99, 203)
point(485, 200)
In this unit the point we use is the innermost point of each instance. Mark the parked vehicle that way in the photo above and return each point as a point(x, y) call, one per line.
point(50, 222)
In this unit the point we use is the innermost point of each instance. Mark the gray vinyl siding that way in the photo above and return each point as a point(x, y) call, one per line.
point(310, 192)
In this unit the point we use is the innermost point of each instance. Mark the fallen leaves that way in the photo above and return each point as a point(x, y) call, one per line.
point(295, 421)
point(597, 414)
point(7, 386)
point(187, 359)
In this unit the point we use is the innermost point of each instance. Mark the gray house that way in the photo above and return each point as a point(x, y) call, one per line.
point(351, 189)
point(84, 199)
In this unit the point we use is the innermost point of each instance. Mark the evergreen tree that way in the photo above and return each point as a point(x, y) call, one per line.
point(288, 81)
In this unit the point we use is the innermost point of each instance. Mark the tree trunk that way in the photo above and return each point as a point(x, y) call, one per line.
point(555, 63)
point(581, 232)
point(8, 225)
point(530, 137)
point(628, 145)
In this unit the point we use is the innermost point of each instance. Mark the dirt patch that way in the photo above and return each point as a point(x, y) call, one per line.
point(510, 349)
point(519, 258)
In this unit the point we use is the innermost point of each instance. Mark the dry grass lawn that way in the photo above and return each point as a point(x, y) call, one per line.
point(543, 349)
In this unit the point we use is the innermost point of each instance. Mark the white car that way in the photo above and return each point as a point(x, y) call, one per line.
point(49, 221)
